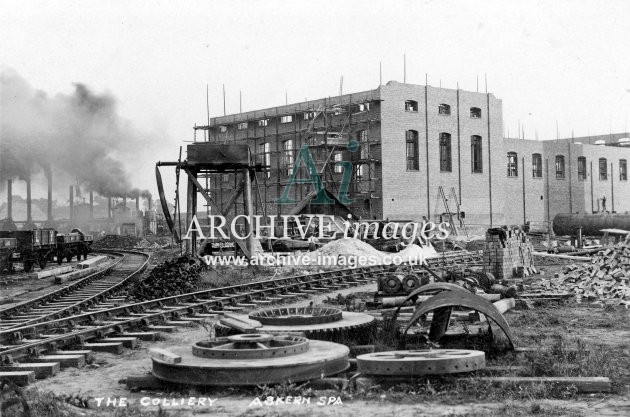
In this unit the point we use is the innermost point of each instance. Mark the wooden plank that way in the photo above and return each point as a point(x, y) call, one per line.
point(41, 370)
point(128, 342)
point(65, 361)
point(164, 355)
point(144, 336)
point(87, 354)
point(114, 347)
point(583, 384)
point(20, 378)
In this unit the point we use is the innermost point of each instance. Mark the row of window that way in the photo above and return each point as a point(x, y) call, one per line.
point(289, 118)
point(446, 165)
point(512, 167)
point(443, 109)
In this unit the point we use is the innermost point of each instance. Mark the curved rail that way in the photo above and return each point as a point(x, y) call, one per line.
point(28, 340)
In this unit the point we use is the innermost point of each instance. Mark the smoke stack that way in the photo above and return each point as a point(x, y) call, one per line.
point(49, 176)
point(138, 202)
point(71, 202)
point(124, 205)
point(9, 199)
point(149, 200)
point(91, 204)
point(29, 217)
point(109, 207)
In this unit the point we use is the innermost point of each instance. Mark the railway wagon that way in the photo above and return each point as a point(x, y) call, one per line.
point(8, 246)
point(72, 244)
point(33, 247)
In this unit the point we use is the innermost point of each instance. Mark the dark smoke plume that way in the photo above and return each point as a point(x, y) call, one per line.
point(79, 134)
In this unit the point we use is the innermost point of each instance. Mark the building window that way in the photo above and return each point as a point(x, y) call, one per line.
point(413, 160)
point(581, 168)
point(411, 105)
point(445, 152)
point(264, 158)
point(475, 113)
point(286, 119)
point(287, 147)
point(444, 109)
point(603, 169)
point(362, 138)
point(512, 166)
point(536, 165)
point(338, 158)
point(225, 178)
point(364, 107)
point(242, 126)
point(309, 115)
point(360, 172)
point(559, 167)
point(263, 122)
point(476, 154)
point(222, 129)
point(623, 170)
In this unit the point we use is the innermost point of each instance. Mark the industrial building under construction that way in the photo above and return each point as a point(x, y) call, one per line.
point(422, 152)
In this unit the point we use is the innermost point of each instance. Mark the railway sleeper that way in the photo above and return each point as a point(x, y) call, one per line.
point(41, 370)
point(144, 336)
point(19, 378)
point(65, 361)
point(109, 347)
point(128, 342)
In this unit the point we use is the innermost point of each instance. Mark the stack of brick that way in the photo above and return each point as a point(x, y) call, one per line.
point(606, 277)
point(508, 253)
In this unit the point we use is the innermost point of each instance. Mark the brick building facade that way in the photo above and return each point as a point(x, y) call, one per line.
point(414, 140)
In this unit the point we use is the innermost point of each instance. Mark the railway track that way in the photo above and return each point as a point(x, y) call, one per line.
point(94, 291)
point(112, 328)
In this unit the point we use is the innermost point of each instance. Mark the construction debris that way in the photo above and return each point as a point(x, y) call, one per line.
point(169, 278)
point(116, 242)
point(508, 253)
point(606, 277)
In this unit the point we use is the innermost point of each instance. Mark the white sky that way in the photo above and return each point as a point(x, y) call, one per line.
point(548, 61)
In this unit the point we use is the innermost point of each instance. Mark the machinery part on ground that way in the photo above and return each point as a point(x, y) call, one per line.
point(293, 316)
point(433, 287)
point(390, 284)
point(250, 346)
point(351, 326)
point(248, 367)
point(421, 362)
point(410, 282)
point(461, 299)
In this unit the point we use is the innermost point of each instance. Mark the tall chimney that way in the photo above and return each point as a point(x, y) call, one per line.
point(49, 176)
point(29, 217)
point(124, 205)
point(91, 204)
point(71, 202)
point(149, 200)
point(10, 199)
point(138, 202)
point(109, 207)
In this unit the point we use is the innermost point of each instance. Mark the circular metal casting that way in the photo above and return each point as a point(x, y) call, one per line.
point(421, 362)
point(391, 284)
point(250, 346)
point(410, 282)
point(319, 359)
point(296, 316)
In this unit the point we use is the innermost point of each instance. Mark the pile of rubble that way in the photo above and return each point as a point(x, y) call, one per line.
point(116, 242)
point(146, 245)
point(606, 277)
point(172, 277)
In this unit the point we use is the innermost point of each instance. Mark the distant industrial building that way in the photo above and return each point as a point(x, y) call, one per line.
point(423, 151)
